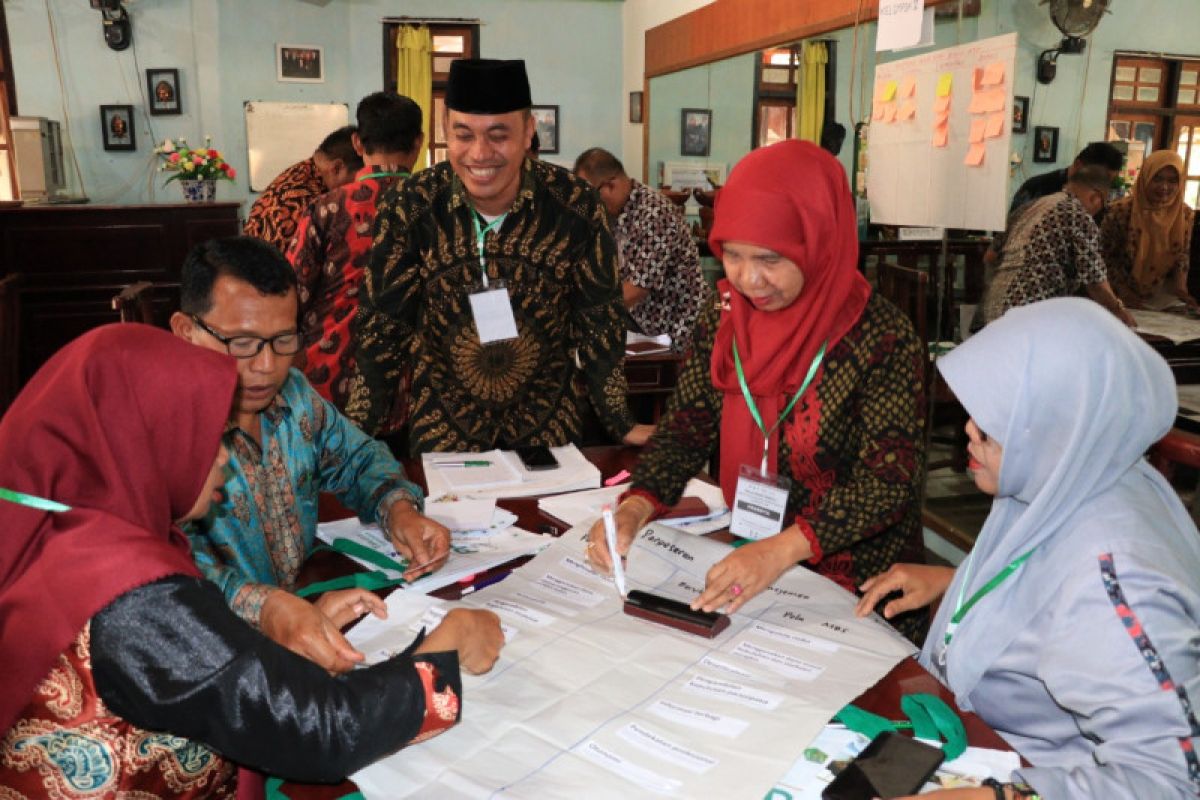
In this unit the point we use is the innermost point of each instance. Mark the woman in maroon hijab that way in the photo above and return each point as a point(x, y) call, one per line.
point(124, 671)
point(813, 383)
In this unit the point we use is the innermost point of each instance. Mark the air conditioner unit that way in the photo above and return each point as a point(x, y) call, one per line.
point(38, 150)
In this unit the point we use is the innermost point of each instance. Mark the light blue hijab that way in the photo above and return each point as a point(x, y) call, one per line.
point(1075, 399)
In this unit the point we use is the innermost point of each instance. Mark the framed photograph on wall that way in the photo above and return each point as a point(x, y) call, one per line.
point(116, 127)
point(695, 131)
point(1045, 145)
point(546, 119)
point(300, 63)
point(162, 87)
point(635, 107)
point(1020, 114)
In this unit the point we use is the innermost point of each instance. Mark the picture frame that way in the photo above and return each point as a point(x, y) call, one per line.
point(162, 92)
point(636, 112)
point(1045, 144)
point(300, 63)
point(116, 127)
point(1020, 122)
point(546, 120)
point(695, 131)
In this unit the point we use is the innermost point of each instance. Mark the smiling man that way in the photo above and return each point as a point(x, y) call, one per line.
point(286, 444)
point(494, 278)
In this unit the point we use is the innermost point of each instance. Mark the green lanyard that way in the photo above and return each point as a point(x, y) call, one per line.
point(961, 609)
point(372, 580)
point(384, 174)
point(480, 233)
point(930, 718)
point(812, 371)
point(40, 503)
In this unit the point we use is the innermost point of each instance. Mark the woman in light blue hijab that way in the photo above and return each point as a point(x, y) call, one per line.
point(1073, 627)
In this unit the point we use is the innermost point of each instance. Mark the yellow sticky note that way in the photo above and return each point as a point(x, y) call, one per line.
point(975, 155)
point(978, 127)
point(993, 74)
point(995, 124)
point(941, 134)
point(908, 110)
point(908, 86)
point(889, 92)
point(942, 104)
point(945, 82)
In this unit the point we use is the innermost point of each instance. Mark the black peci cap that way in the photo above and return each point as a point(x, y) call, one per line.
point(487, 86)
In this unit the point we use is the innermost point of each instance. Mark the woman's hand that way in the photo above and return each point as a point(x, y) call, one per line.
point(920, 584)
point(638, 435)
point(425, 543)
point(474, 633)
point(631, 515)
point(344, 606)
point(300, 626)
point(749, 569)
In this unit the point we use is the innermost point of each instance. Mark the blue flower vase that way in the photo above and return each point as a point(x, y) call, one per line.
point(199, 190)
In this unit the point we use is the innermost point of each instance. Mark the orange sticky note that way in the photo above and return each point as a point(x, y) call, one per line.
point(979, 103)
point(908, 86)
point(978, 79)
point(975, 155)
point(945, 81)
point(997, 100)
point(908, 110)
point(941, 134)
point(877, 111)
point(995, 124)
point(942, 104)
point(993, 74)
point(978, 126)
point(889, 112)
point(942, 117)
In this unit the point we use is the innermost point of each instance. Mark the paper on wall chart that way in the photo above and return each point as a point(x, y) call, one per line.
point(586, 701)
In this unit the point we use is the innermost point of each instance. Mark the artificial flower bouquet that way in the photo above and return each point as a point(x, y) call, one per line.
point(187, 163)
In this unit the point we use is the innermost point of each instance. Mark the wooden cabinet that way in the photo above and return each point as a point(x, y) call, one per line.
point(73, 259)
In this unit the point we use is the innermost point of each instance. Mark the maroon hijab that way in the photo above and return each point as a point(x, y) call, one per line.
point(123, 425)
point(792, 198)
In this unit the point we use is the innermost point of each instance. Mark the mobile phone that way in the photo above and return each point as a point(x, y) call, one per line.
point(674, 614)
point(892, 765)
point(536, 457)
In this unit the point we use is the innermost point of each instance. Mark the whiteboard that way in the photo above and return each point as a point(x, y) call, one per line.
point(918, 171)
point(280, 134)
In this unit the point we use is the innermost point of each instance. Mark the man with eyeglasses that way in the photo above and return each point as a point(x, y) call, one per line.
point(285, 445)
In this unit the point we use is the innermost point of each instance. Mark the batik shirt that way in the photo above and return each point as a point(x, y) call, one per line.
point(259, 535)
point(329, 253)
point(658, 253)
point(554, 252)
point(1053, 249)
point(276, 213)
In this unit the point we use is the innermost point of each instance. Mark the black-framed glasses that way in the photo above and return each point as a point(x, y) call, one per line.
point(282, 344)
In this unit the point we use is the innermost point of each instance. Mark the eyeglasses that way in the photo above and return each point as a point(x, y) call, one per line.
point(282, 344)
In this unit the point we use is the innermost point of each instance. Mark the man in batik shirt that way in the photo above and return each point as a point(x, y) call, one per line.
point(333, 242)
point(490, 276)
point(285, 445)
point(276, 212)
point(661, 281)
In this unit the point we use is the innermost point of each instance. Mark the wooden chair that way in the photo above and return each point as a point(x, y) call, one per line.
point(1177, 447)
point(135, 303)
point(10, 340)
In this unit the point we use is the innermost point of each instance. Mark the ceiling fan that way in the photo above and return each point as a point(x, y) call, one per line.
point(1076, 19)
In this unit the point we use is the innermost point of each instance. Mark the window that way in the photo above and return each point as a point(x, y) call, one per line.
point(775, 75)
point(451, 41)
point(8, 107)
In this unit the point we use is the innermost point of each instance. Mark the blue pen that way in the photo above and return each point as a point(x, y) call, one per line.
point(475, 587)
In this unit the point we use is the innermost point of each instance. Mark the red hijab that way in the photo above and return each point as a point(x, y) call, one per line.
point(792, 198)
point(123, 425)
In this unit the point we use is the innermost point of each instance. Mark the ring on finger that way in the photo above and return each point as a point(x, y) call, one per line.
point(736, 589)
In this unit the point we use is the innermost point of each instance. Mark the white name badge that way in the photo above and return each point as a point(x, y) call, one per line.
point(759, 504)
point(492, 310)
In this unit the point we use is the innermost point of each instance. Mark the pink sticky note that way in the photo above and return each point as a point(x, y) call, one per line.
point(995, 124)
point(941, 117)
point(993, 74)
point(942, 104)
point(908, 86)
point(975, 155)
point(877, 112)
point(908, 110)
point(979, 103)
point(941, 134)
point(997, 100)
point(978, 126)
point(978, 78)
point(889, 112)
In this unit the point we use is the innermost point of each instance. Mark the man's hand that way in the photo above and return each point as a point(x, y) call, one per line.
point(920, 585)
point(638, 435)
point(344, 606)
point(474, 633)
point(300, 626)
point(425, 543)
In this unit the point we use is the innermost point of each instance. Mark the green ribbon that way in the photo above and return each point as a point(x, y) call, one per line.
point(384, 174)
point(359, 580)
point(480, 234)
point(962, 608)
point(273, 788)
point(812, 371)
point(930, 719)
point(32, 501)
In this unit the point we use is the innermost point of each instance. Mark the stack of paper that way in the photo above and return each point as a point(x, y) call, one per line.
point(573, 472)
point(467, 472)
point(581, 508)
point(639, 344)
point(1176, 327)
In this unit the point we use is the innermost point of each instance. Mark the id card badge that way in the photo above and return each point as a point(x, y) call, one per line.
point(759, 504)
point(492, 310)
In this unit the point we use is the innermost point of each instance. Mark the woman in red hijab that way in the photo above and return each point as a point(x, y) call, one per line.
point(813, 383)
point(123, 670)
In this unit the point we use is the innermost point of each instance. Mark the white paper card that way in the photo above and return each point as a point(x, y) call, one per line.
point(494, 320)
point(758, 509)
point(899, 23)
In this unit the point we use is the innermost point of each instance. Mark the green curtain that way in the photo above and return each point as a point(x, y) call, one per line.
point(414, 78)
point(810, 92)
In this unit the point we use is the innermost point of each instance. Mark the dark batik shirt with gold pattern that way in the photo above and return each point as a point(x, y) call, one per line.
point(853, 447)
point(555, 254)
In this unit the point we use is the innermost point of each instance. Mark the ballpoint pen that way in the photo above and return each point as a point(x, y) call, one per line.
point(610, 536)
point(462, 463)
point(488, 581)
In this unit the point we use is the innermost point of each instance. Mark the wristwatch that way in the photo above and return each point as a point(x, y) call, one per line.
point(1020, 791)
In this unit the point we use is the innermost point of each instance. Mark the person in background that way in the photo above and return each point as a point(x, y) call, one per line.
point(661, 281)
point(1096, 154)
point(493, 278)
point(806, 375)
point(1073, 626)
point(276, 213)
point(1146, 237)
point(333, 241)
point(1053, 250)
point(286, 444)
point(125, 672)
